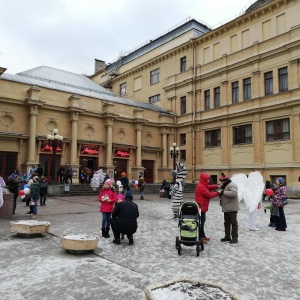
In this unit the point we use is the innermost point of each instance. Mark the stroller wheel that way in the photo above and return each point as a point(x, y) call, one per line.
point(201, 244)
point(179, 250)
point(177, 242)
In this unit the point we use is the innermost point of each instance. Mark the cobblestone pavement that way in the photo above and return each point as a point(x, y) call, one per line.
point(263, 265)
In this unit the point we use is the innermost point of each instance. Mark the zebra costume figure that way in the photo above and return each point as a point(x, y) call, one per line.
point(177, 191)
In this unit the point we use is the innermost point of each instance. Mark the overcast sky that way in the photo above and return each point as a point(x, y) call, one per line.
point(70, 34)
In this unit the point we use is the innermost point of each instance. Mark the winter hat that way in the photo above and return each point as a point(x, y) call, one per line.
point(123, 174)
point(36, 179)
point(108, 182)
point(280, 179)
point(223, 177)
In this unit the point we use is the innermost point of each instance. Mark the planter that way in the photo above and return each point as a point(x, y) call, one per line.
point(189, 290)
point(29, 228)
point(79, 243)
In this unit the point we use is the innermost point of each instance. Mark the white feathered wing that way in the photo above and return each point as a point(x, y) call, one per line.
point(240, 180)
point(253, 190)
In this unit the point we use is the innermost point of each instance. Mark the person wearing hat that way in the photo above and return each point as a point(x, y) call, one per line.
point(124, 182)
point(124, 219)
point(203, 193)
point(35, 195)
point(229, 201)
point(13, 186)
point(107, 197)
point(278, 201)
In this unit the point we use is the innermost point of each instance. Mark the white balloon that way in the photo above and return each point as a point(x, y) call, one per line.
point(136, 182)
point(118, 182)
point(27, 191)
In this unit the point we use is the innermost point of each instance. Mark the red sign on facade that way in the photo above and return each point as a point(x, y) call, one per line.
point(120, 153)
point(47, 148)
point(89, 149)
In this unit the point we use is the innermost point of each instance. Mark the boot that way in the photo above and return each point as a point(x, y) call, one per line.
point(130, 238)
point(107, 232)
point(103, 232)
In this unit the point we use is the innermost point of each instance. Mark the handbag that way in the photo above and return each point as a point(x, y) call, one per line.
point(31, 202)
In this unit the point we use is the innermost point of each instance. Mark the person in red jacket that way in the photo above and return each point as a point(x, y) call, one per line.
point(203, 194)
point(107, 197)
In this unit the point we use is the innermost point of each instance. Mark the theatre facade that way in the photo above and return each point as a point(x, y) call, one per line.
point(98, 128)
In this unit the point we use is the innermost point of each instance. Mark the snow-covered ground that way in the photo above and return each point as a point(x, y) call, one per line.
point(263, 265)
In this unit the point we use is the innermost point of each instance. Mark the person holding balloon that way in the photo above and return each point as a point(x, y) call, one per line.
point(124, 182)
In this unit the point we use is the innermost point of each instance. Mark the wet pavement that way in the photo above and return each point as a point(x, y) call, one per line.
point(263, 265)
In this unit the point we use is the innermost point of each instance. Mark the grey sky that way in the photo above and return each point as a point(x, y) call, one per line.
point(70, 34)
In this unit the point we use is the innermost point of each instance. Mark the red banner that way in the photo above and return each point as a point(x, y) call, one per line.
point(120, 153)
point(47, 148)
point(89, 149)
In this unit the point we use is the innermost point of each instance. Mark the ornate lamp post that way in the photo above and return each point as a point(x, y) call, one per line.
point(54, 142)
point(174, 153)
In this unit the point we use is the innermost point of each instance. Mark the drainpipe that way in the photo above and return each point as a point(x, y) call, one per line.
point(194, 110)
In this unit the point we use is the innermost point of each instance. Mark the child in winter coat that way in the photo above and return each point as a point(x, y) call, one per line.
point(43, 191)
point(107, 197)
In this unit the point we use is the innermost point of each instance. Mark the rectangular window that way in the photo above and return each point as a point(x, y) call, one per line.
point(217, 94)
point(154, 76)
point(182, 155)
point(283, 79)
point(183, 105)
point(278, 130)
point(123, 89)
point(247, 89)
point(242, 134)
point(154, 99)
point(207, 100)
point(183, 139)
point(183, 64)
point(269, 83)
point(213, 138)
point(235, 92)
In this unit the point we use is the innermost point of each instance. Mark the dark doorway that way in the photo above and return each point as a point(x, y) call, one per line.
point(148, 171)
point(120, 165)
point(8, 163)
point(46, 164)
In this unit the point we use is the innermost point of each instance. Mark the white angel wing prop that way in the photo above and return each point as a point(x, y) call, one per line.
point(253, 191)
point(240, 180)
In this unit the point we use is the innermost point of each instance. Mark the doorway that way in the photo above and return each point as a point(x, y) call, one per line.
point(46, 164)
point(148, 170)
point(120, 165)
point(8, 163)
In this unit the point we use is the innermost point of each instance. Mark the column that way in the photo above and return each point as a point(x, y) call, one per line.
point(138, 128)
point(74, 129)
point(32, 133)
point(109, 134)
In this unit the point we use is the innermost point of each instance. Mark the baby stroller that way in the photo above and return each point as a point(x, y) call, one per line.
point(189, 225)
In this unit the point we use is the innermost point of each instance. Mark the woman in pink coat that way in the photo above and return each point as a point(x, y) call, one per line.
point(203, 194)
point(107, 197)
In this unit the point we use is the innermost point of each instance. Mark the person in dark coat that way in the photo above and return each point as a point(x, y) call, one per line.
point(39, 171)
point(124, 182)
point(166, 187)
point(124, 219)
point(13, 186)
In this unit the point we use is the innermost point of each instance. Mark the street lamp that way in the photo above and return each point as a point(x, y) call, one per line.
point(54, 142)
point(174, 153)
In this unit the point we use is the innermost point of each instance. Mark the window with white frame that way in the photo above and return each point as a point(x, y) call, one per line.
point(247, 89)
point(278, 130)
point(183, 64)
point(268, 83)
point(283, 79)
point(183, 105)
point(242, 134)
point(207, 100)
point(154, 98)
point(235, 92)
point(213, 138)
point(123, 89)
point(217, 94)
point(154, 76)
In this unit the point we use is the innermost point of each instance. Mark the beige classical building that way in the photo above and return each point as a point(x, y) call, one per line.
point(98, 128)
point(233, 90)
